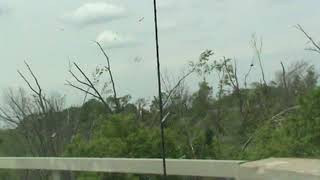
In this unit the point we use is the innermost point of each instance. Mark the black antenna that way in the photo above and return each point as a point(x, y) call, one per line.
point(160, 92)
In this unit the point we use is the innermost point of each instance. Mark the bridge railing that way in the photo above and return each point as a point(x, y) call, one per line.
point(275, 169)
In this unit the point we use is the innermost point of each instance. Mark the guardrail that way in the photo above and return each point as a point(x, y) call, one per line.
point(201, 168)
point(275, 169)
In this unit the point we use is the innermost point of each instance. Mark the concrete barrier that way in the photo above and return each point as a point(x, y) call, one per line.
point(268, 169)
point(280, 169)
point(201, 168)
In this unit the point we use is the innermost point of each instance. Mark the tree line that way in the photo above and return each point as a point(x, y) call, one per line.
point(230, 118)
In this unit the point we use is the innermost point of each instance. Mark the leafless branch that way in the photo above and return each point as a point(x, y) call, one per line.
point(164, 82)
point(238, 91)
point(28, 83)
point(170, 93)
point(258, 51)
point(285, 84)
point(247, 74)
point(284, 75)
point(18, 106)
point(88, 84)
point(316, 45)
point(108, 68)
point(77, 79)
point(81, 89)
point(7, 117)
point(41, 98)
point(285, 111)
point(246, 144)
point(34, 78)
point(236, 73)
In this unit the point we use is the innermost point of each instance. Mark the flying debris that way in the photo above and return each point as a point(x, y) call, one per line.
point(141, 19)
point(61, 29)
point(137, 59)
point(53, 135)
point(165, 117)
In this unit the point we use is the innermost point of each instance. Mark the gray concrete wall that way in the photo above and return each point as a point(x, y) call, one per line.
point(201, 168)
point(268, 169)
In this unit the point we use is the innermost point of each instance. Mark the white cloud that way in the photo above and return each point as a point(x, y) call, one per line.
point(94, 13)
point(112, 39)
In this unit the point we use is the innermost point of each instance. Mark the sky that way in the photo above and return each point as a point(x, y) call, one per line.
point(48, 35)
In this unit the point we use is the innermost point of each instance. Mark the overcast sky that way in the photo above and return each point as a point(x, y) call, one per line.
point(49, 33)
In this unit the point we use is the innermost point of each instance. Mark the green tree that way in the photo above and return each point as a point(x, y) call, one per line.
point(296, 135)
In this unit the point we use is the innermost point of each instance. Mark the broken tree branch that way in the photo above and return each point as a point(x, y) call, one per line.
point(177, 85)
point(316, 45)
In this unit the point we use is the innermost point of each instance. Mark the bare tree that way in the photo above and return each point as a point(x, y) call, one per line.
point(37, 119)
point(37, 115)
point(257, 47)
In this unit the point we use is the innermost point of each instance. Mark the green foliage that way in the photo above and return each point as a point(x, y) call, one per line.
point(220, 120)
point(294, 136)
point(202, 100)
point(120, 136)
